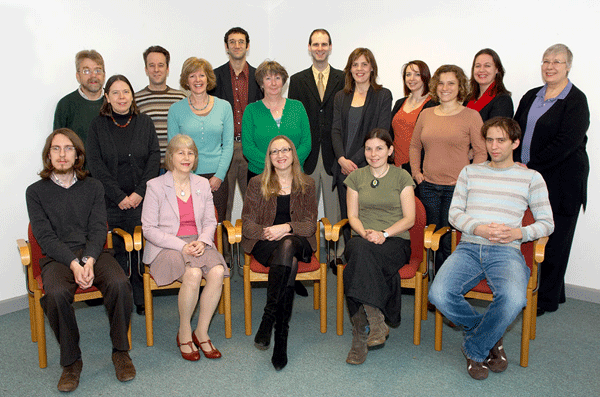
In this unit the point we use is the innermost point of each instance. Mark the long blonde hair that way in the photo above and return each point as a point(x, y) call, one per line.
point(269, 182)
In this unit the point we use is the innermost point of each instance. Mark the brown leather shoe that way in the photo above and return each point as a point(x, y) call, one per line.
point(477, 370)
point(69, 380)
point(497, 361)
point(124, 368)
point(194, 355)
point(212, 353)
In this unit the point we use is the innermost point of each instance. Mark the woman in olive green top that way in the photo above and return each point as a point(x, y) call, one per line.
point(381, 209)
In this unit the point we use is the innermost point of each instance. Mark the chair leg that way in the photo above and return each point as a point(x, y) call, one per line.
point(323, 298)
point(340, 300)
point(417, 310)
point(149, 310)
point(534, 316)
point(41, 331)
point(129, 336)
point(316, 289)
point(222, 304)
point(424, 298)
point(227, 303)
point(32, 323)
point(438, 330)
point(247, 301)
point(526, 329)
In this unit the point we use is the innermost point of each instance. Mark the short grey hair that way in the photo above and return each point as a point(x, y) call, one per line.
point(560, 48)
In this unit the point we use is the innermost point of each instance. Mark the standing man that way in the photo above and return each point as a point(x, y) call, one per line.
point(156, 99)
point(487, 207)
point(77, 110)
point(68, 219)
point(237, 85)
point(316, 87)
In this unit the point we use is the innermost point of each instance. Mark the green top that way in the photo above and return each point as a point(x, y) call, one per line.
point(76, 113)
point(380, 207)
point(259, 127)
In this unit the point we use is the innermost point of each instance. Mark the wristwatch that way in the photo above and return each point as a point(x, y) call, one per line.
point(385, 234)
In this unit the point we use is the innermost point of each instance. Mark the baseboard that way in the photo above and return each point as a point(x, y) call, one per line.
point(582, 293)
point(14, 304)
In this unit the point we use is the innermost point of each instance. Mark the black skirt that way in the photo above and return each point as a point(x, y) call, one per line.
point(263, 249)
point(371, 276)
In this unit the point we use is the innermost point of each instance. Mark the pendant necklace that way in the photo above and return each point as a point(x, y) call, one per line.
point(375, 181)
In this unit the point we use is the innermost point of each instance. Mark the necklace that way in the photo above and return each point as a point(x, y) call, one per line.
point(375, 181)
point(182, 188)
point(124, 125)
point(195, 108)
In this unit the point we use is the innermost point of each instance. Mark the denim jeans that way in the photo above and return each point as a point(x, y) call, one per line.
point(507, 275)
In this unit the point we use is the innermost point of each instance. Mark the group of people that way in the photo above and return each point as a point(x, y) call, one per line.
point(450, 141)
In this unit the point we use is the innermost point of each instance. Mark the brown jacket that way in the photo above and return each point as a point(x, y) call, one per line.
point(259, 213)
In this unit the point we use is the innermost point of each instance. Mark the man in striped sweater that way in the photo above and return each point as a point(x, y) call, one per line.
point(157, 97)
point(487, 207)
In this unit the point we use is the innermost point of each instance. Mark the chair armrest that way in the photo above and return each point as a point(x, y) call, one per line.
point(126, 238)
point(539, 248)
point(427, 235)
point(238, 230)
point(326, 228)
point(24, 251)
point(335, 230)
point(435, 238)
point(138, 239)
point(232, 237)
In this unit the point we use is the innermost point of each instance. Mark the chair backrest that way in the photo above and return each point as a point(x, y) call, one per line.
point(526, 248)
point(416, 232)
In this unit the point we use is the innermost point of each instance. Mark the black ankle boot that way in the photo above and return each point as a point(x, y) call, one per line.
point(284, 312)
point(276, 284)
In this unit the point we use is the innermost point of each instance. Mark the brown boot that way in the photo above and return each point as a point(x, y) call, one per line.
point(378, 329)
point(124, 368)
point(358, 351)
point(497, 361)
point(69, 380)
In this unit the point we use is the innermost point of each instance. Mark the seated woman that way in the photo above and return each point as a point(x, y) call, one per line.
point(178, 220)
point(381, 209)
point(279, 225)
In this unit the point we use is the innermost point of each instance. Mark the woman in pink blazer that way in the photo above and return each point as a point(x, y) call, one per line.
point(178, 220)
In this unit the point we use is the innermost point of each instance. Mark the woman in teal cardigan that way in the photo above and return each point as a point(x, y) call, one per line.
point(273, 115)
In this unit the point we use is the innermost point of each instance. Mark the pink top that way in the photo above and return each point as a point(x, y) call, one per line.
point(447, 141)
point(187, 221)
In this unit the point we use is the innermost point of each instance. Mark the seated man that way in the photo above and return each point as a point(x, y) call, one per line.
point(68, 219)
point(487, 207)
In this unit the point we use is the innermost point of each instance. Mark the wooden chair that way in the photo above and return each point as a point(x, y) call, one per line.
point(31, 253)
point(150, 285)
point(533, 251)
point(413, 275)
point(254, 271)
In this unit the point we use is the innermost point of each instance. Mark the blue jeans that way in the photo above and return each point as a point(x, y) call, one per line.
point(507, 275)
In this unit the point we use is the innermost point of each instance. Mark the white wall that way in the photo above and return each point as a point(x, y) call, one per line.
point(41, 39)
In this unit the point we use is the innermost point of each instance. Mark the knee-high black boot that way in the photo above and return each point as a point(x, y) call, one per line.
point(276, 284)
point(282, 320)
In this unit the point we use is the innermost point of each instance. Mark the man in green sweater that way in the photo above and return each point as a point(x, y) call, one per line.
point(77, 109)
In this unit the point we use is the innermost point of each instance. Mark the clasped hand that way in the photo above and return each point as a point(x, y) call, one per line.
point(131, 201)
point(195, 248)
point(498, 233)
point(84, 275)
point(374, 236)
point(276, 232)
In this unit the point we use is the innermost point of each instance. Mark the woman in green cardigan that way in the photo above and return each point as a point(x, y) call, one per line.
point(273, 115)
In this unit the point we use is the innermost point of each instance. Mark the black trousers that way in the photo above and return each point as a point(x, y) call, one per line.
point(60, 287)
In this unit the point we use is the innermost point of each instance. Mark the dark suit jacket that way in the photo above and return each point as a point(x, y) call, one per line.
point(500, 105)
point(223, 89)
point(376, 114)
point(259, 213)
point(320, 113)
point(558, 149)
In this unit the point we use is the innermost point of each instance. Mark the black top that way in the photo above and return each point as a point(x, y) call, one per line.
point(283, 210)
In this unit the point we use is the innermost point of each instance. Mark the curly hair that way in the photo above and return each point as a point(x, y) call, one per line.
point(463, 83)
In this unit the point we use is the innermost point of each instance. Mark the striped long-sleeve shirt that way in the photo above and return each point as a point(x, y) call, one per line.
point(484, 194)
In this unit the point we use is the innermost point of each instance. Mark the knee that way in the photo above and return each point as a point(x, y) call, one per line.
point(57, 296)
point(441, 293)
point(512, 297)
point(192, 277)
point(216, 275)
point(118, 286)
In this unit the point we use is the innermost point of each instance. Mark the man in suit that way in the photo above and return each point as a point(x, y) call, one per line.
point(237, 85)
point(68, 219)
point(76, 110)
point(316, 87)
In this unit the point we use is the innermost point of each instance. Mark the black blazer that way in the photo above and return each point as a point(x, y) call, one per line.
point(224, 90)
point(500, 105)
point(558, 149)
point(376, 114)
point(320, 113)
point(398, 105)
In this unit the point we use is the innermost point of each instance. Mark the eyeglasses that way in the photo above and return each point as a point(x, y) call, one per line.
point(97, 72)
point(553, 63)
point(284, 150)
point(234, 42)
point(58, 149)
